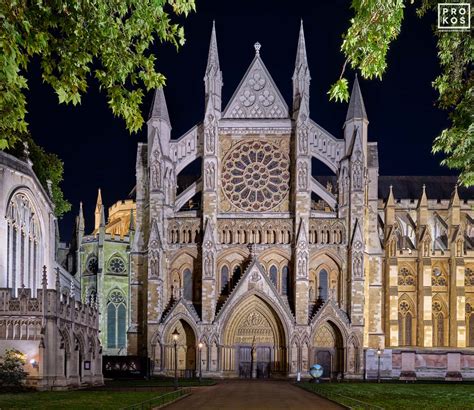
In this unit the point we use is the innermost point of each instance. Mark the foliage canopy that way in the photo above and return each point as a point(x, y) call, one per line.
point(76, 41)
point(376, 23)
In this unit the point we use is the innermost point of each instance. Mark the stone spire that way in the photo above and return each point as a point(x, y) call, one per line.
point(213, 78)
point(98, 210)
point(301, 77)
point(213, 66)
point(159, 109)
point(423, 208)
point(455, 208)
point(81, 223)
point(356, 108)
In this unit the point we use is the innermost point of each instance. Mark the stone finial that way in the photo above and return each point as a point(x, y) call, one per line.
point(44, 279)
point(26, 153)
point(257, 47)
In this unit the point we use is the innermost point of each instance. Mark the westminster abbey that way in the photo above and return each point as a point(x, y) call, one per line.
point(262, 268)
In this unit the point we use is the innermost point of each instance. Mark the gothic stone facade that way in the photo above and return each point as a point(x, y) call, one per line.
point(103, 268)
point(57, 335)
point(278, 269)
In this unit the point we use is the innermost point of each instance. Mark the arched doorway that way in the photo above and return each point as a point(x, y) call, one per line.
point(328, 348)
point(185, 348)
point(254, 341)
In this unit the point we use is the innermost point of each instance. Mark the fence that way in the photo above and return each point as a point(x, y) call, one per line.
point(159, 400)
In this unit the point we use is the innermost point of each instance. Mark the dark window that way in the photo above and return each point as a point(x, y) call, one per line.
point(323, 283)
point(274, 275)
point(224, 277)
point(188, 285)
point(284, 280)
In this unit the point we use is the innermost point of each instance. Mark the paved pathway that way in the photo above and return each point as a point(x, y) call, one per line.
point(252, 395)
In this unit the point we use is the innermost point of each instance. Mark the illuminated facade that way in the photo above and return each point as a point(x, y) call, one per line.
point(278, 268)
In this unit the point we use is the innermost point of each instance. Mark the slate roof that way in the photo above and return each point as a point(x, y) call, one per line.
point(410, 187)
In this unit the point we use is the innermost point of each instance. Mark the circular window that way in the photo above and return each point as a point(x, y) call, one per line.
point(117, 265)
point(92, 264)
point(256, 176)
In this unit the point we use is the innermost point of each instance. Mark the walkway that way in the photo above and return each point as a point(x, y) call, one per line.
point(252, 395)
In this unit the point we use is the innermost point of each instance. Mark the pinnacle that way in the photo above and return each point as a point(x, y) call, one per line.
point(356, 104)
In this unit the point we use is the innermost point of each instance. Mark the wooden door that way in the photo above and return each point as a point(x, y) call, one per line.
point(263, 362)
point(245, 362)
point(323, 358)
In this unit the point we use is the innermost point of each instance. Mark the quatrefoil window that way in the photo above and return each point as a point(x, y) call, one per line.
point(256, 176)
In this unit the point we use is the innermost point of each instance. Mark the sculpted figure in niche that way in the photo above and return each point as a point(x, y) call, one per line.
point(303, 142)
point(155, 176)
point(208, 264)
point(210, 134)
point(357, 175)
point(357, 267)
point(210, 171)
point(154, 265)
point(302, 171)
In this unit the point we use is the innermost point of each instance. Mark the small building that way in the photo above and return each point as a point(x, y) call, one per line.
point(57, 334)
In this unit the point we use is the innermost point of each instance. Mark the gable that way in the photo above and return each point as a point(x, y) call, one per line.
point(257, 95)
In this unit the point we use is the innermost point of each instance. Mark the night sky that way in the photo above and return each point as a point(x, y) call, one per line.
point(98, 151)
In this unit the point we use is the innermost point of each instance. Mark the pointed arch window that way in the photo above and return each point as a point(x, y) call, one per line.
point(116, 320)
point(187, 285)
point(285, 276)
point(23, 244)
point(438, 324)
point(224, 278)
point(323, 284)
point(274, 275)
point(405, 324)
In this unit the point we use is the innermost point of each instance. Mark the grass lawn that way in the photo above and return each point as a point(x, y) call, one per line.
point(72, 400)
point(417, 395)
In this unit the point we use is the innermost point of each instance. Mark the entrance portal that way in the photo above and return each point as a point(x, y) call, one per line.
point(254, 323)
point(329, 350)
point(185, 348)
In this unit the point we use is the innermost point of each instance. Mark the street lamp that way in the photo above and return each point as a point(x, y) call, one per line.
point(379, 353)
point(200, 366)
point(175, 335)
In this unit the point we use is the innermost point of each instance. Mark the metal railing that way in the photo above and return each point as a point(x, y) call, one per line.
point(159, 400)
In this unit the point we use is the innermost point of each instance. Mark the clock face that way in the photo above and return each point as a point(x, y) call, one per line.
point(255, 176)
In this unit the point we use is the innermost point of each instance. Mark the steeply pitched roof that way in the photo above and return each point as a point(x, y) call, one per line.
point(356, 104)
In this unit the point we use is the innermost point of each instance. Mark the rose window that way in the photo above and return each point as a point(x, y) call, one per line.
point(92, 264)
point(256, 176)
point(117, 265)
